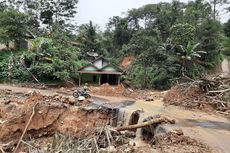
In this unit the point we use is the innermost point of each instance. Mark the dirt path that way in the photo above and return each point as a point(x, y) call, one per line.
point(17, 89)
point(113, 101)
point(208, 128)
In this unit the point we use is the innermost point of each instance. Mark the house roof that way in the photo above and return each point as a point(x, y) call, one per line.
point(102, 69)
point(101, 57)
point(99, 72)
point(89, 64)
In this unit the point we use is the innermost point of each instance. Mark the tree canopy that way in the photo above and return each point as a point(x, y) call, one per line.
point(169, 40)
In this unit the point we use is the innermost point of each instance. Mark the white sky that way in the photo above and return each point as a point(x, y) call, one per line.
point(99, 11)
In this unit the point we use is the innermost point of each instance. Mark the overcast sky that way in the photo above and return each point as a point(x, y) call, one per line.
point(99, 11)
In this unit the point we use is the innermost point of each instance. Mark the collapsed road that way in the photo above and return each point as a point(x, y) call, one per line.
point(210, 129)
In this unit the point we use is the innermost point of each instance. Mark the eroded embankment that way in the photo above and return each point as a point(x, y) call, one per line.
point(52, 116)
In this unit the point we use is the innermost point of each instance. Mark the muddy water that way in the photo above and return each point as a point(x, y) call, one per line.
point(146, 109)
point(208, 128)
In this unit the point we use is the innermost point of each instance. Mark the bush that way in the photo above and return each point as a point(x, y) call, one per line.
point(48, 62)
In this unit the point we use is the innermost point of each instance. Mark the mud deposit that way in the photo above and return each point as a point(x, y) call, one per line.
point(62, 125)
point(53, 115)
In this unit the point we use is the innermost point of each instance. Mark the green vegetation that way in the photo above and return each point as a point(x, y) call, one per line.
point(168, 41)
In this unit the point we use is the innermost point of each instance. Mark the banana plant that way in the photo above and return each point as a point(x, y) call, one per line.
point(190, 55)
point(190, 52)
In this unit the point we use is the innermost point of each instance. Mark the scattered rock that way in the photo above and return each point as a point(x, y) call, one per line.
point(72, 100)
point(81, 98)
point(62, 89)
point(1, 122)
point(149, 99)
point(130, 134)
point(7, 102)
point(29, 93)
point(111, 149)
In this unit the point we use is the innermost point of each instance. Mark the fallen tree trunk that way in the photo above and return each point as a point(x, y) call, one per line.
point(148, 123)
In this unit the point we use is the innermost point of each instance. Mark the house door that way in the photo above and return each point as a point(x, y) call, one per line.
point(104, 78)
point(109, 78)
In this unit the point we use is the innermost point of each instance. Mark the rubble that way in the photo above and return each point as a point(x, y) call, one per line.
point(122, 91)
point(205, 94)
point(108, 90)
point(176, 141)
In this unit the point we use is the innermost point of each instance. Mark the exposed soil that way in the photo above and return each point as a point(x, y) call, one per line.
point(120, 91)
point(53, 115)
point(196, 97)
point(57, 112)
point(127, 61)
point(176, 141)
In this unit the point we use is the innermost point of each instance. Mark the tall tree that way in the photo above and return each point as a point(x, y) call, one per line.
point(219, 3)
point(54, 14)
point(2, 5)
point(181, 34)
point(121, 32)
point(209, 37)
point(197, 11)
point(12, 26)
point(227, 28)
point(89, 38)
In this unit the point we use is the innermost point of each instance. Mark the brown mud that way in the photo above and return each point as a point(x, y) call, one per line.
point(57, 113)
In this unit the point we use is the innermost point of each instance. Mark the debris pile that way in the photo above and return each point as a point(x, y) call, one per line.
point(206, 93)
point(108, 90)
point(176, 141)
point(102, 139)
point(120, 90)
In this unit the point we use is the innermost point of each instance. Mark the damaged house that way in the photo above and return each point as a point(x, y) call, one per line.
point(100, 71)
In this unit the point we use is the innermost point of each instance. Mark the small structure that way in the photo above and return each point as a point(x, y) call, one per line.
point(100, 71)
point(26, 43)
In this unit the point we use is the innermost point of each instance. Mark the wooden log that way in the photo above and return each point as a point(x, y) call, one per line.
point(219, 91)
point(1, 149)
point(25, 129)
point(148, 123)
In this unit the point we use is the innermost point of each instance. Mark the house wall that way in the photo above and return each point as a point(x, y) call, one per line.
point(24, 44)
point(104, 63)
point(98, 64)
point(3, 46)
point(30, 44)
point(88, 78)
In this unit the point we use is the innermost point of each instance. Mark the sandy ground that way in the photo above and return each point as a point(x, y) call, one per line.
point(50, 92)
point(210, 129)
